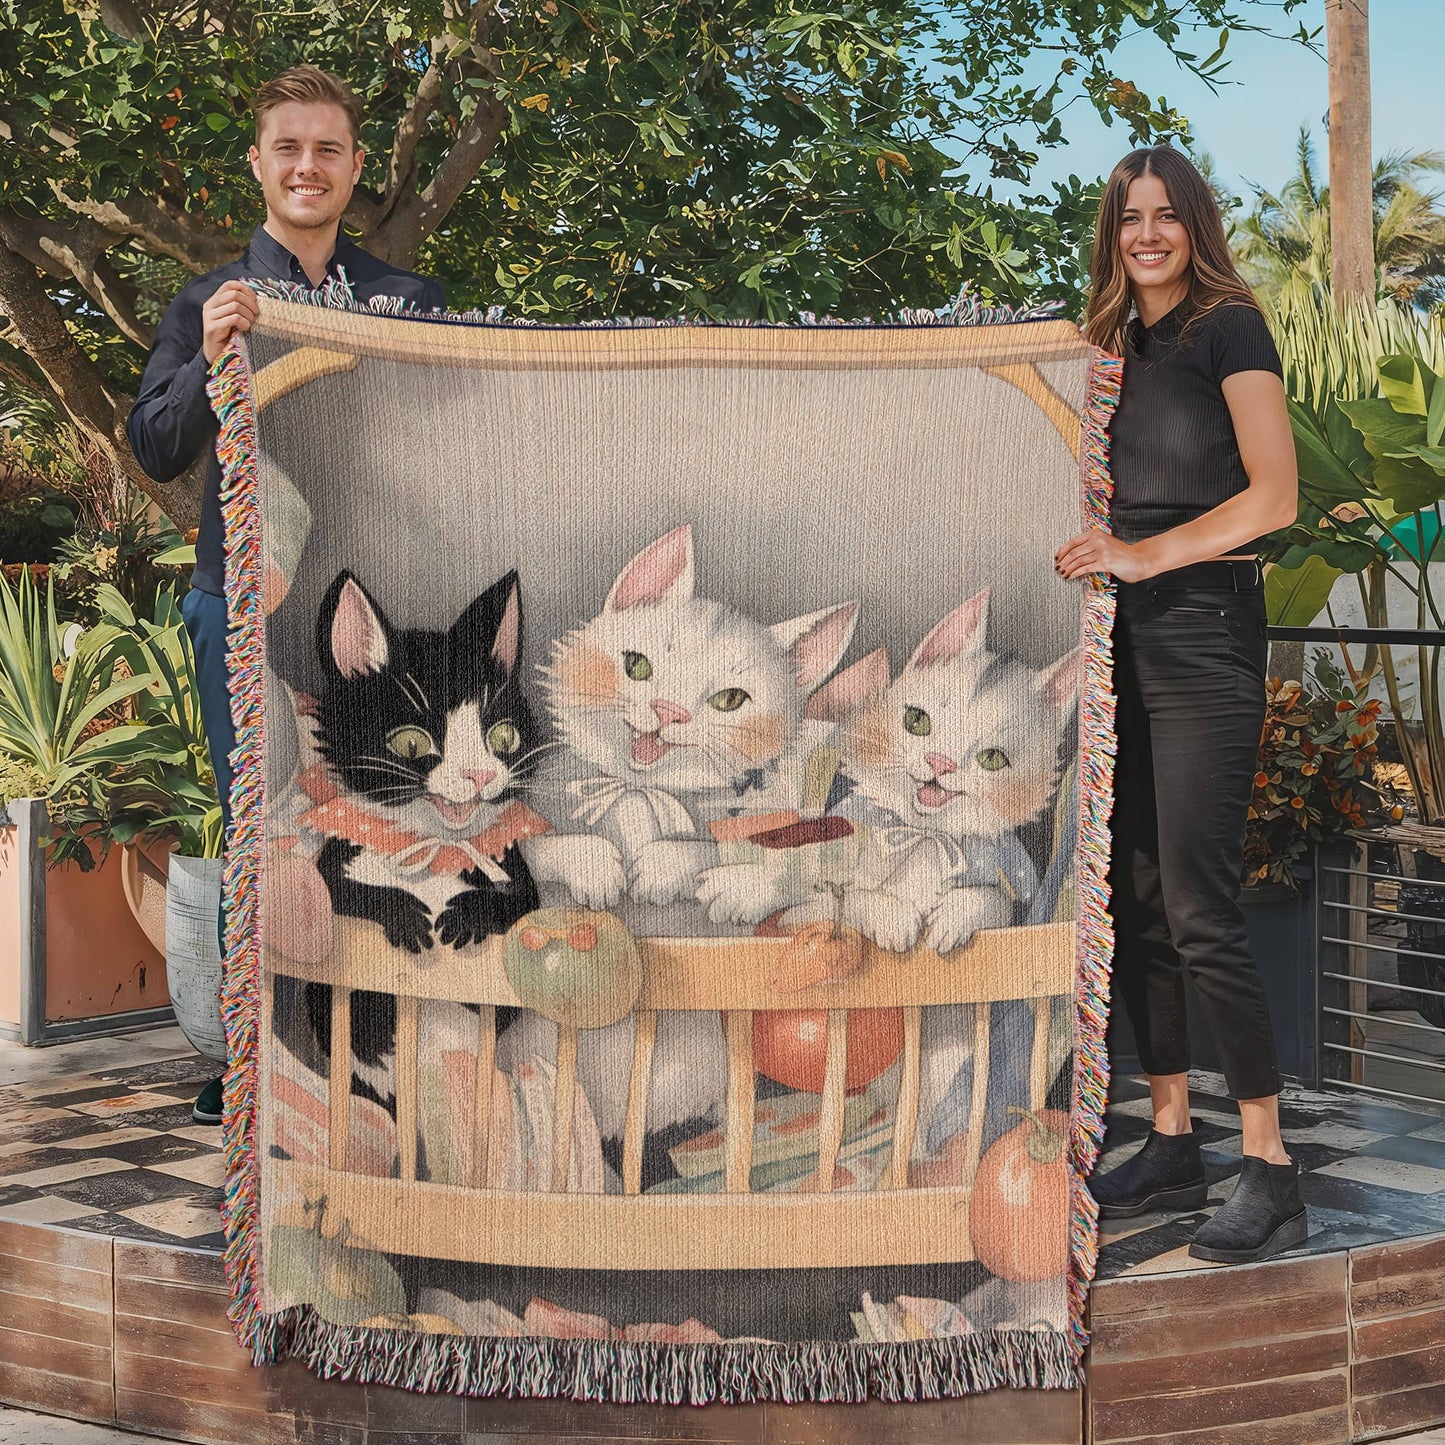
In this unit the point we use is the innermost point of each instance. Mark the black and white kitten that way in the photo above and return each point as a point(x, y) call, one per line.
point(428, 740)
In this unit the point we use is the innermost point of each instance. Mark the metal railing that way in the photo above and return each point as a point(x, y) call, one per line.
point(1380, 931)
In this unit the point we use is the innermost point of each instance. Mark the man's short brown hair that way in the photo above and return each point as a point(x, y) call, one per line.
point(307, 85)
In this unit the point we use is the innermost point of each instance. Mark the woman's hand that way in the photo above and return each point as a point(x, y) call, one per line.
point(1096, 551)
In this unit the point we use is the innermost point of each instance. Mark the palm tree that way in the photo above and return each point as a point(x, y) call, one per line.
point(1283, 244)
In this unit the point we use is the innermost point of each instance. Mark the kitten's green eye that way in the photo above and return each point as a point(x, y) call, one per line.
point(917, 722)
point(411, 742)
point(730, 699)
point(503, 739)
point(636, 666)
point(992, 760)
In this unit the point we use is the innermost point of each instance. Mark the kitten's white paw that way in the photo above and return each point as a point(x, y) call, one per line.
point(739, 892)
point(667, 870)
point(588, 867)
point(963, 912)
point(886, 919)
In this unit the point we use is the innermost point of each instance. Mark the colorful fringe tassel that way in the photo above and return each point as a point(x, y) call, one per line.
point(1096, 803)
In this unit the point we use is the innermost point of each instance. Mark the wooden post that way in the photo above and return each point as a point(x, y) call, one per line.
point(1352, 213)
point(31, 821)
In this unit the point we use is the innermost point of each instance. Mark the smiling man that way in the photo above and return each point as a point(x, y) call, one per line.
point(308, 159)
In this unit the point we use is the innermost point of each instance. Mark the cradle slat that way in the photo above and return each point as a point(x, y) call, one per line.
point(741, 1097)
point(407, 1010)
point(340, 1076)
point(905, 1117)
point(1039, 1062)
point(533, 1229)
point(978, 1098)
point(564, 1107)
point(482, 1095)
point(639, 1082)
point(830, 1111)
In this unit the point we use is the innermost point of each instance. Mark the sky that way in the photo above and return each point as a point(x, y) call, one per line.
point(1270, 88)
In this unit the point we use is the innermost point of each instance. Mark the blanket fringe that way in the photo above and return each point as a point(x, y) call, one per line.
point(1096, 803)
point(336, 294)
point(229, 389)
point(668, 1374)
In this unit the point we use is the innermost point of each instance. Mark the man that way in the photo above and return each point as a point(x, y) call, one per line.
point(308, 158)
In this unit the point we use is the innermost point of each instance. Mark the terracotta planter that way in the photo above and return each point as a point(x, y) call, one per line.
point(73, 959)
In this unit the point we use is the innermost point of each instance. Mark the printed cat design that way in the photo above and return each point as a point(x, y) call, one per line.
point(960, 751)
point(428, 745)
point(681, 709)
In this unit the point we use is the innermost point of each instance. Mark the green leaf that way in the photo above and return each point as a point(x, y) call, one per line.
point(1406, 384)
point(219, 122)
point(1295, 596)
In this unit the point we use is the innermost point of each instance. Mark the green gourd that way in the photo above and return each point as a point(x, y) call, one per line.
point(573, 966)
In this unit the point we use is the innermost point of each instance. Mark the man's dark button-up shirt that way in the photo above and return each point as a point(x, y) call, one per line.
point(171, 421)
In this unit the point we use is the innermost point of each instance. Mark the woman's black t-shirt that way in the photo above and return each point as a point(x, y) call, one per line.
point(1172, 449)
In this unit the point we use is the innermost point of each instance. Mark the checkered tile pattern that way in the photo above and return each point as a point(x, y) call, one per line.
point(116, 1151)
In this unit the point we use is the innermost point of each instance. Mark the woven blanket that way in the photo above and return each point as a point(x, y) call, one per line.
point(667, 942)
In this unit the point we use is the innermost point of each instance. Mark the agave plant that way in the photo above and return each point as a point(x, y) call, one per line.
point(66, 710)
point(171, 789)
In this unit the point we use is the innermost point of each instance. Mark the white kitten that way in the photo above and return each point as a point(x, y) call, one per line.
point(681, 709)
point(961, 751)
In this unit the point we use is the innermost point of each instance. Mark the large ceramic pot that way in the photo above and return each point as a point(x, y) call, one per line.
point(193, 952)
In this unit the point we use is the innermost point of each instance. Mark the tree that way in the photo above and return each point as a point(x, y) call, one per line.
point(1285, 246)
point(1347, 26)
point(569, 158)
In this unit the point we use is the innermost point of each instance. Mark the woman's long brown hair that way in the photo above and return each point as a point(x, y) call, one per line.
point(1214, 280)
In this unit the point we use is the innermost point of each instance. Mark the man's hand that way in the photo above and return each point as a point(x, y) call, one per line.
point(1096, 551)
point(233, 308)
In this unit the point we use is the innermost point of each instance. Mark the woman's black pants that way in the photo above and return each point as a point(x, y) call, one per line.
point(1189, 676)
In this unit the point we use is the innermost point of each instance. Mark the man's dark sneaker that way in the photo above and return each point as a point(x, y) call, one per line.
point(207, 1109)
point(1167, 1173)
point(1262, 1217)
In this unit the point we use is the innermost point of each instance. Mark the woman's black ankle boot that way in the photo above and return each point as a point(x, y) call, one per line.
point(1167, 1173)
point(1262, 1217)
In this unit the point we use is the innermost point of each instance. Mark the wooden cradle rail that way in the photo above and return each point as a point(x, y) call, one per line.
point(892, 1224)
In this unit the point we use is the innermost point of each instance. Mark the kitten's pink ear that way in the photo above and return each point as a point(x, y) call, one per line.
point(508, 645)
point(960, 634)
point(358, 635)
point(815, 644)
point(1060, 683)
point(661, 571)
point(840, 695)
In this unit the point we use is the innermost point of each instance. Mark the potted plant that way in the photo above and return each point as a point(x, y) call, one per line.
point(68, 733)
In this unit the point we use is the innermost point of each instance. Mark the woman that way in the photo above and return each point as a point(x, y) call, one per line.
point(1203, 465)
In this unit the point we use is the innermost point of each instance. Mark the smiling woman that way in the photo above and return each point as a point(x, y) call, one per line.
point(1202, 463)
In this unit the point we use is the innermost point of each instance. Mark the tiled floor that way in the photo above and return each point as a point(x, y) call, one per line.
point(99, 1136)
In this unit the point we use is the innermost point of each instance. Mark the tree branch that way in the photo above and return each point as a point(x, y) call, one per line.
point(418, 213)
point(197, 244)
point(40, 330)
point(78, 254)
point(409, 213)
point(409, 130)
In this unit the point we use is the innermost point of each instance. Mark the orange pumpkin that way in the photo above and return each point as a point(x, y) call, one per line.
point(1018, 1214)
point(790, 1046)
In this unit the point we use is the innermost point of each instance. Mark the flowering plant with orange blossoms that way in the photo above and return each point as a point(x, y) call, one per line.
point(1317, 757)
